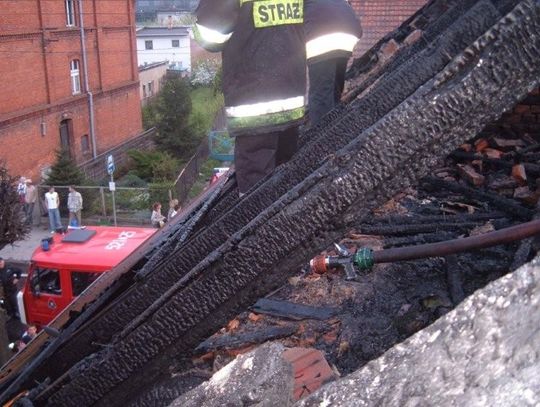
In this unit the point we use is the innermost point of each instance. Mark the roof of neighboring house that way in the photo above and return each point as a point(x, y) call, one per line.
point(152, 65)
point(379, 17)
point(163, 32)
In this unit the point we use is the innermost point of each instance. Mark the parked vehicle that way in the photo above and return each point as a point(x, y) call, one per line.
point(65, 265)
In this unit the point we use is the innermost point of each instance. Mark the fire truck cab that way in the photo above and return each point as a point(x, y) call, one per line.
point(65, 265)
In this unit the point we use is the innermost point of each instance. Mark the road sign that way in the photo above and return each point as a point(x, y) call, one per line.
point(110, 164)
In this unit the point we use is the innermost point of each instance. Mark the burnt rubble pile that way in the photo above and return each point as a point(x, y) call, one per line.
point(421, 103)
point(355, 322)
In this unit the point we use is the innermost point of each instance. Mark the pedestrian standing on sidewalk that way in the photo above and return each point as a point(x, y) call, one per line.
point(75, 205)
point(30, 199)
point(9, 277)
point(52, 201)
point(21, 189)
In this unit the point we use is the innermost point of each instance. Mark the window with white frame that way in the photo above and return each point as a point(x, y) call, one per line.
point(150, 88)
point(75, 77)
point(70, 13)
point(148, 44)
point(175, 43)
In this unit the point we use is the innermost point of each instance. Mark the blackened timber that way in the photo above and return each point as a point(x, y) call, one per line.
point(435, 120)
point(506, 205)
point(419, 219)
point(240, 340)
point(453, 279)
point(322, 143)
point(402, 230)
point(440, 17)
point(287, 309)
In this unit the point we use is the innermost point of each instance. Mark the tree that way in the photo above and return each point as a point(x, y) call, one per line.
point(12, 222)
point(174, 134)
point(64, 171)
point(204, 72)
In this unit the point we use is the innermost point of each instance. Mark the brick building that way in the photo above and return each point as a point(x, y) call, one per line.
point(45, 102)
point(379, 17)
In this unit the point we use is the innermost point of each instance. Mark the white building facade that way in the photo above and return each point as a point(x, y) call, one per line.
point(157, 44)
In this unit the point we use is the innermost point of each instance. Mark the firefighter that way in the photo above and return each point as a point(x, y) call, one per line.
point(10, 277)
point(263, 58)
point(332, 30)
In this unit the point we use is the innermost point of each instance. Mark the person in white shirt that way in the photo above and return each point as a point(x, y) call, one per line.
point(52, 201)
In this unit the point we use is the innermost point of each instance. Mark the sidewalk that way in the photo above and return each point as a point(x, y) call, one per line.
point(21, 251)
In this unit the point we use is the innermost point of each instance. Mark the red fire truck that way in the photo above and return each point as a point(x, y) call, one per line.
point(64, 265)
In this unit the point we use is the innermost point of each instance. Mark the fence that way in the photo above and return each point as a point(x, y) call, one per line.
point(189, 174)
point(133, 205)
point(96, 168)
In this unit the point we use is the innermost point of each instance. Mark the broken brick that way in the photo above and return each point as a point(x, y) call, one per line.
point(310, 370)
point(470, 175)
point(519, 174)
point(232, 325)
point(413, 37)
point(254, 317)
point(492, 153)
point(478, 164)
point(389, 49)
point(466, 147)
point(481, 144)
point(330, 337)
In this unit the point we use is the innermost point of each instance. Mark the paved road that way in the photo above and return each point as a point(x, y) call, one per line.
point(21, 252)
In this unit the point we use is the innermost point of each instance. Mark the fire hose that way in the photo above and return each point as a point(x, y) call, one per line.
point(364, 258)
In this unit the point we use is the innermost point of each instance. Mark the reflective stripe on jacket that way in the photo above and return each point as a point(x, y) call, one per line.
point(331, 28)
point(263, 60)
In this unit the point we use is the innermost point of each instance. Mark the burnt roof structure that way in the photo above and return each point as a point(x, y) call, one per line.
point(471, 61)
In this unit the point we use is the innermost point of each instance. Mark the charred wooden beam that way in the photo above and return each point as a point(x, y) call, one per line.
point(235, 341)
point(506, 205)
point(432, 122)
point(479, 217)
point(287, 309)
point(401, 230)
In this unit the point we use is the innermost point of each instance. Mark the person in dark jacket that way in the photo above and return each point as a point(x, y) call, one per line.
point(332, 30)
point(263, 56)
point(10, 278)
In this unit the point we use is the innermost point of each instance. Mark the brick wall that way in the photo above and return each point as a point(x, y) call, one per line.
point(37, 47)
point(525, 116)
point(379, 17)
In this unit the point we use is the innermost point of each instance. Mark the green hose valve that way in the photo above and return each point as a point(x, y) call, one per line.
point(363, 258)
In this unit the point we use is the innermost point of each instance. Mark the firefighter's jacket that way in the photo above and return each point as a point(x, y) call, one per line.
point(263, 59)
point(332, 29)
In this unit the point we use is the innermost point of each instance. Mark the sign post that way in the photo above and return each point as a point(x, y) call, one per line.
point(112, 185)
